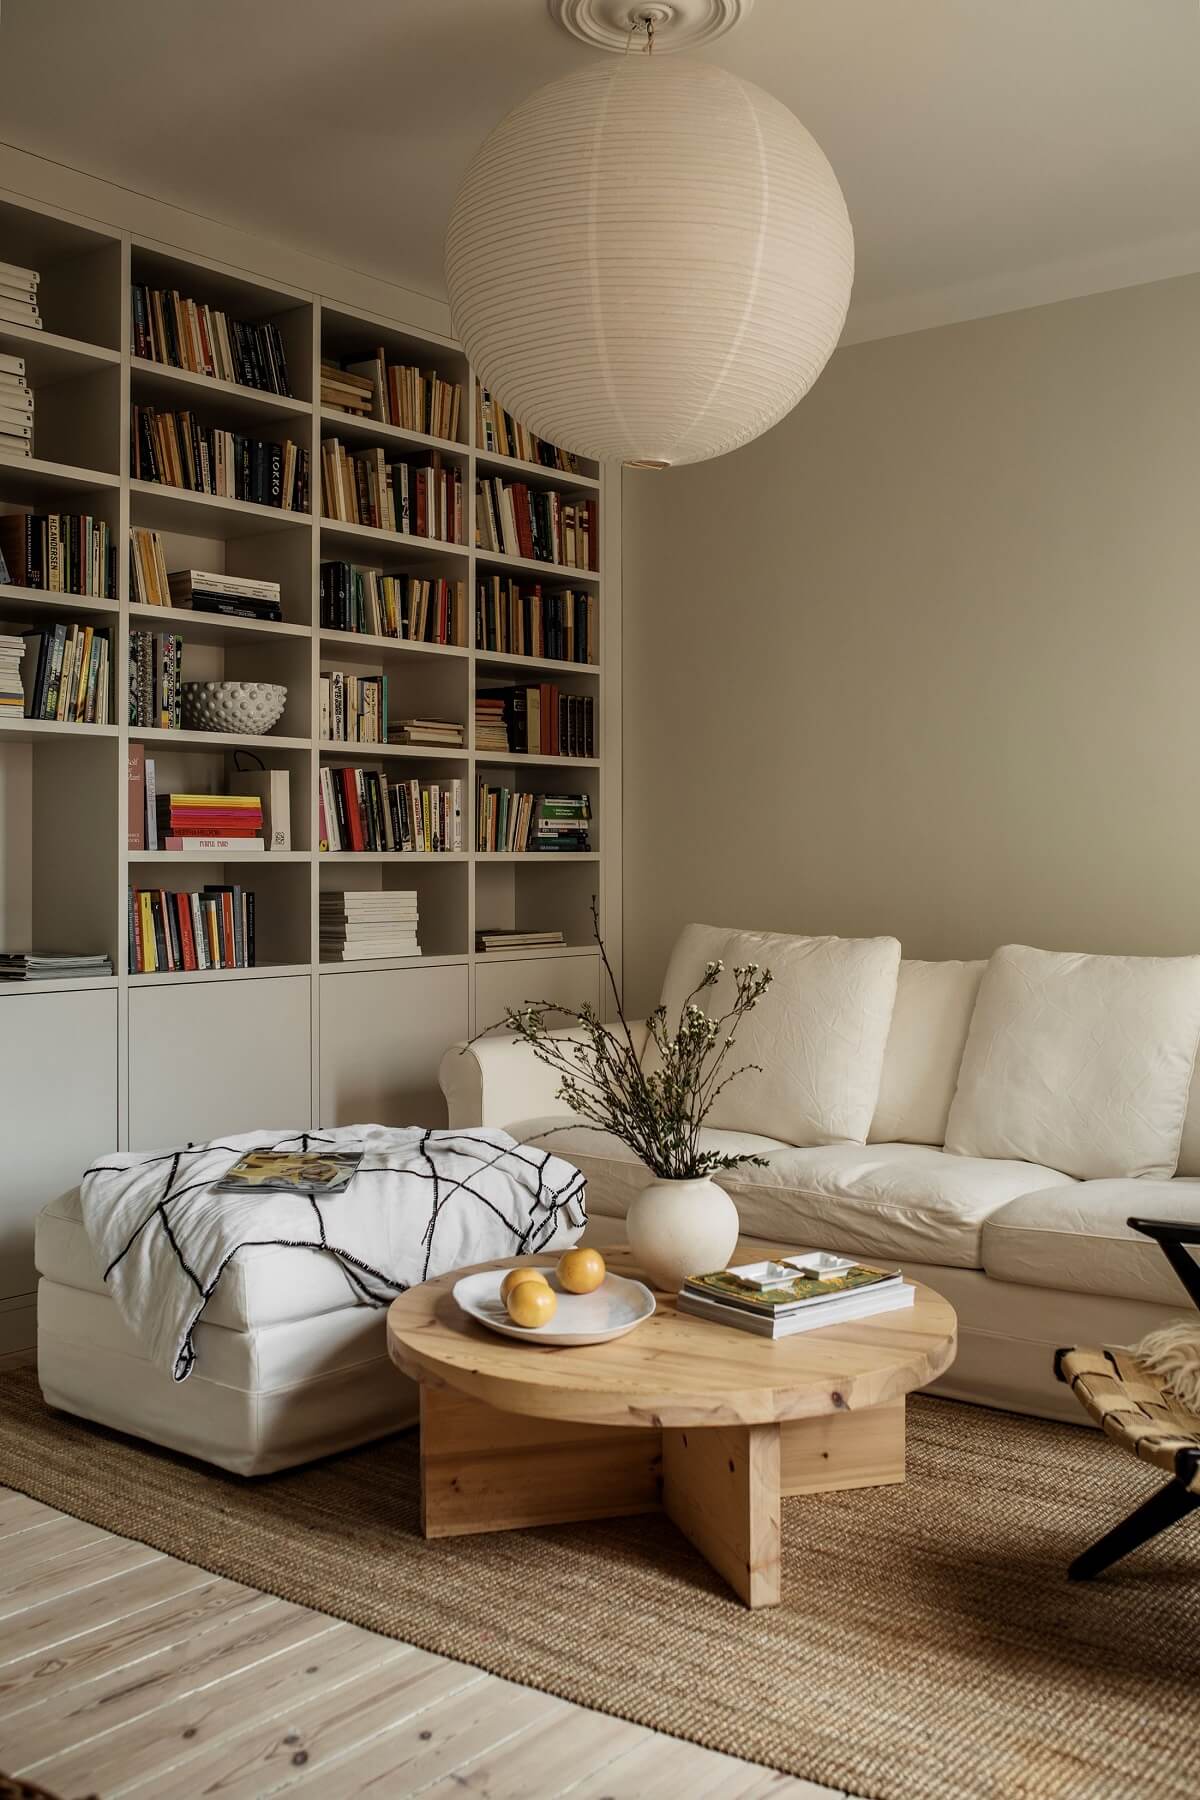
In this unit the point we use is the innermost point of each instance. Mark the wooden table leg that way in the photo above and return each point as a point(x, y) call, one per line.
point(486, 1470)
point(721, 1488)
point(843, 1450)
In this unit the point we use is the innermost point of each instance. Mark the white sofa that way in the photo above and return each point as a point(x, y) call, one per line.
point(1030, 1258)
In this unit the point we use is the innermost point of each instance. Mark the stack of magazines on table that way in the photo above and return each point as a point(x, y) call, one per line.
point(797, 1293)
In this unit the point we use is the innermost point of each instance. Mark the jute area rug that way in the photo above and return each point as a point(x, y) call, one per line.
point(929, 1646)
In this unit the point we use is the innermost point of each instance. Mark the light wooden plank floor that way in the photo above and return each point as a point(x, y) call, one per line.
point(125, 1672)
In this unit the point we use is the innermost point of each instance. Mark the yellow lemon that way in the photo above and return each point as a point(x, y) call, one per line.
point(581, 1271)
point(515, 1277)
point(532, 1303)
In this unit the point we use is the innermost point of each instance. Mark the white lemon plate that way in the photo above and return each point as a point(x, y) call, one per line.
point(612, 1309)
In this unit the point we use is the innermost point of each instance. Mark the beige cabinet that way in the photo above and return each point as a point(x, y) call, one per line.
point(564, 980)
point(210, 1058)
point(58, 1111)
point(382, 1037)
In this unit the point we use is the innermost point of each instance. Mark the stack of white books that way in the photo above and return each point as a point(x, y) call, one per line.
point(18, 296)
point(797, 1293)
point(16, 408)
point(12, 690)
point(363, 925)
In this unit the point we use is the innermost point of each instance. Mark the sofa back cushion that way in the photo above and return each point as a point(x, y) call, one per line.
point(934, 1003)
point(819, 1033)
point(1080, 1063)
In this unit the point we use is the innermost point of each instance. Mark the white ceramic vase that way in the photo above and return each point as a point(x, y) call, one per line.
point(681, 1228)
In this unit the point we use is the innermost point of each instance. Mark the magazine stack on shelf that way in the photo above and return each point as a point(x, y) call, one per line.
point(363, 925)
point(797, 1293)
point(434, 734)
point(51, 965)
point(19, 297)
point(494, 942)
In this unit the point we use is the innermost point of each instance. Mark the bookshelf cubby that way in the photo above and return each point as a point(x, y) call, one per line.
point(294, 1037)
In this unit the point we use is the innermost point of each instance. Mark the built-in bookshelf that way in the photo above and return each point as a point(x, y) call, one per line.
point(395, 588)
point(417, 611)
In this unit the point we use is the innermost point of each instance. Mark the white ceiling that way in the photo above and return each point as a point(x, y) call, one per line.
point(992, 152)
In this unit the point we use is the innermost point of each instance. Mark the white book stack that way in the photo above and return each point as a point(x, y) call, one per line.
point(18, 296)
point(12, 691)
point(16, 407)
point(364, 925)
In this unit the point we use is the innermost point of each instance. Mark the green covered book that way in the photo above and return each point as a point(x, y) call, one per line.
point(776, 1290)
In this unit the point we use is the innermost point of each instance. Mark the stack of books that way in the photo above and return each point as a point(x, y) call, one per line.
point(16, 408)
point(186, 334)
point(361, 925)
point(513, 519)
point(51, 965)
point(541, 721)
point(210, 824)
point(518, 619)
point(518, 940)
point(156, 680)
point(491, 724)
point(395, 394)
point(362, 810)
point(497, 432)
point(149, 583)
point(175, 450)
point(68, 675)
point(208, 928)
point(344, 392)
point(18, 296)
point(436, 733)
point(353, 708)
point(430, 611)
point(422, 499)
point(532, 823)
point(12, 689)
point(64, 553)
point(235, 596)
point(797, 1293)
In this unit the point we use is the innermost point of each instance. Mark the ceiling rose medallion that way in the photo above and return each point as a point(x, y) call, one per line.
point(649, 260)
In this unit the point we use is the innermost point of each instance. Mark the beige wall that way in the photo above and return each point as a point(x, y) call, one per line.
point(926, 658)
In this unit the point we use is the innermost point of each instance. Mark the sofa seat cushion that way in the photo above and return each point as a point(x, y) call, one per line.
point(263, 1284)
point(614, 1173)
point(899, 1201)
point(1077, 1238)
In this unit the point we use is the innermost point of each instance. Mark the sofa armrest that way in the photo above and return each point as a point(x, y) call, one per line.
point(498, 1080)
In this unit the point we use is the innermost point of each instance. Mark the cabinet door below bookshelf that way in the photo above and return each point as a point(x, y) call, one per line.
point(210, 1058)
point(382, 1038)
point(565, 980)
point(58, 1110)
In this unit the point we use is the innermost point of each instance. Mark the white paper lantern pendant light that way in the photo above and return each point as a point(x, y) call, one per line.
point(650, 260)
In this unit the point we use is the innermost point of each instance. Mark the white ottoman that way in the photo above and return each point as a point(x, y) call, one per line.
point(289, 1365)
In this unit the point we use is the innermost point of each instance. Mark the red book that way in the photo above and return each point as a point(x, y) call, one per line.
point(353, 816)
point(227, 924)
point(187, 941)
point(214, 828)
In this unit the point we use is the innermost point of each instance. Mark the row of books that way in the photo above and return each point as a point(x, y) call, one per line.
point(500, 940)
point(67, 675)
point(518, 619)
point(16, 407)
point(525, 823)
point(361, 487)
point(535, 721)
point(187, 334)
point(353, 709)
point(206, 928)
point(52, 965)
point(19, 296)
point(513, 519)
point(156, 680)
point(357, 926)
point(802, 1292)
point(394, 393)
point(176, 450)
point(253, 814)
point(361, 809)
point(395, 606)
point(62, 553)
point(497, 432)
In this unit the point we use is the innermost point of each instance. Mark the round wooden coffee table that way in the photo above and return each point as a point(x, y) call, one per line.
point(711, 1424)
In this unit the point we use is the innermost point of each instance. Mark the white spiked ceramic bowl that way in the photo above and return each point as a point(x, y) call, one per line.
point(252, 707)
